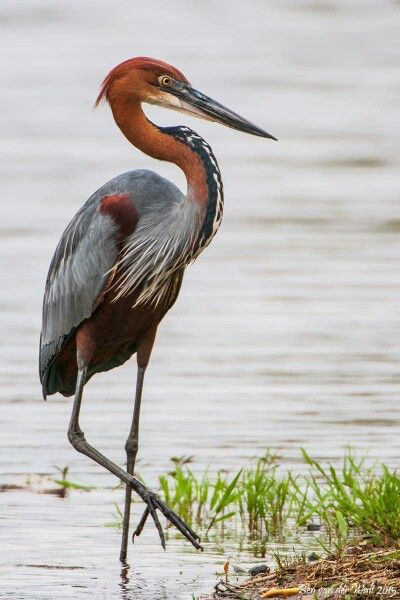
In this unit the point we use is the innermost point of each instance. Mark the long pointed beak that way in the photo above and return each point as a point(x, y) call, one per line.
point(194, 102)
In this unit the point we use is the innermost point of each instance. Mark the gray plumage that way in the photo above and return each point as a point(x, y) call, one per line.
point(88, 250)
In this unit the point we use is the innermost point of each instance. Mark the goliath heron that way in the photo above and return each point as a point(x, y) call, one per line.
point(119, 264)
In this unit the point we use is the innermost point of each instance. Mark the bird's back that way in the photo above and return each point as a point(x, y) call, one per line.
point(145, 187)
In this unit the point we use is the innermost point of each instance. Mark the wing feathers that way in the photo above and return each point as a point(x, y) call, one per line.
point(78, 273)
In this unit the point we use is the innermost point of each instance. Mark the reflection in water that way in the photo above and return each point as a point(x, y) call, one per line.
point(132, 588)
point(124, 585)
point(286, 330)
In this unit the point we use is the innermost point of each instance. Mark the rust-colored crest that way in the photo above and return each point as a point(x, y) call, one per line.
point(139, 66)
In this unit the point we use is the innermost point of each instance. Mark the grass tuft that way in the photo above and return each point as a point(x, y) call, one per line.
point(261, 501)
point(349, 501)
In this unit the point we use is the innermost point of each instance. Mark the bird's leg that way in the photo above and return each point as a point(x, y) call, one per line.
point(144, 347)
point(153, 502)
point(131, 448)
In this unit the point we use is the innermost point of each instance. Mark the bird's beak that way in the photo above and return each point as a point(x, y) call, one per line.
point(197, 104)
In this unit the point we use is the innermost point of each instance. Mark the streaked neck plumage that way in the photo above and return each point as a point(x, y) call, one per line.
point(183, 147)
point(201, 213)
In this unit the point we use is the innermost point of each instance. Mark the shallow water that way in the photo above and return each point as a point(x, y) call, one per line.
point(286, 333)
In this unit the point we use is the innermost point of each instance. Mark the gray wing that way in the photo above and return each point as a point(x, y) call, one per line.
point(88, 249)
point(78, 273)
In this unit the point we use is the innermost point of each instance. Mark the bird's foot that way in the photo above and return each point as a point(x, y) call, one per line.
point(155, 503)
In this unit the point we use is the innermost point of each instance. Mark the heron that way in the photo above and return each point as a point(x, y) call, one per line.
point(119, 264)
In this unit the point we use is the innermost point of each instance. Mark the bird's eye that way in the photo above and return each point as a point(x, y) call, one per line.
point(165, 80)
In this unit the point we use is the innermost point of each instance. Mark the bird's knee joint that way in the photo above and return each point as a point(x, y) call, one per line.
point(131, 446)
point(76, 438)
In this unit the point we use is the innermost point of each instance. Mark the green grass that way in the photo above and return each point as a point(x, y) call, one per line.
point(366, 500)
point(118, 517)
point(66, 484)
point(266, 500)
point(263, 502)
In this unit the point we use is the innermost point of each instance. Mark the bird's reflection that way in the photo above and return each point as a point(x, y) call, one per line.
point(125, 575)
point(139, 589)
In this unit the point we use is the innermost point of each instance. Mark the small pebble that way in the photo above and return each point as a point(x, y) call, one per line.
point(313, 526)
point(258, 569)
point(312, 556)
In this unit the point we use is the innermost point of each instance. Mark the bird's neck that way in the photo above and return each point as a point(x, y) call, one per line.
point(186, 149)
point(163, 144)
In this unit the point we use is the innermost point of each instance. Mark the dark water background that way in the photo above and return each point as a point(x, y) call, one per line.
point(286, 333)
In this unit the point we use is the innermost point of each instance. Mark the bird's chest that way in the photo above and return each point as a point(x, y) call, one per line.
point(123, 319)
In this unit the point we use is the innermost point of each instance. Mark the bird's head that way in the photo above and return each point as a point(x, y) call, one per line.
point(148, 80)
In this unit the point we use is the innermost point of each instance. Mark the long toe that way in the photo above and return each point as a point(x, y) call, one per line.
point(162, 504)
point(141, 524)
point(178, 522)
point(154, 503)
